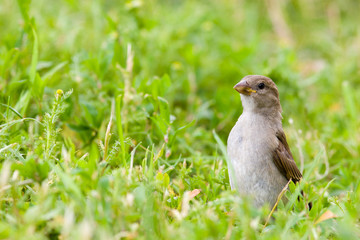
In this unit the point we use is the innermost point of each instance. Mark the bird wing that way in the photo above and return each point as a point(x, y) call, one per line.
point(284, 160)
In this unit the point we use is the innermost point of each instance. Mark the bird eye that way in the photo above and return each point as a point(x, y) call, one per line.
point(261, 85)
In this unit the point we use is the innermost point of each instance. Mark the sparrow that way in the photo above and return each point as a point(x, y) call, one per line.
point(261, 163)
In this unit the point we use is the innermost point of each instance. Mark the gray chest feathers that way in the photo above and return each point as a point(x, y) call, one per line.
point(252, 172)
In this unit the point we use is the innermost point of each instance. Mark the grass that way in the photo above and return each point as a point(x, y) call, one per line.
point(114, 115)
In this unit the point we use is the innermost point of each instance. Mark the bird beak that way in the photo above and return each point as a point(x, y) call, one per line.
point(244, 88)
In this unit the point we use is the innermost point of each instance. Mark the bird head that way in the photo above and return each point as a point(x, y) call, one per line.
point(259, 94)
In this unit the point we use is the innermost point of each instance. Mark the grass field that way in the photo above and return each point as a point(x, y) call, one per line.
point(114, 116)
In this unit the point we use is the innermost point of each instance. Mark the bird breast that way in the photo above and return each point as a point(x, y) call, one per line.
point(250, 148)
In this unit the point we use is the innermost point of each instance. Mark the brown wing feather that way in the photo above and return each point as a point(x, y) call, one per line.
point(284, 160)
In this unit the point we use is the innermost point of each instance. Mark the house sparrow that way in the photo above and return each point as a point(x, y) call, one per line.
point(261, 163)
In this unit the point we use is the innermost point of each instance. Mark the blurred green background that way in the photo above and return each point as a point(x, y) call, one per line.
point(164, 72)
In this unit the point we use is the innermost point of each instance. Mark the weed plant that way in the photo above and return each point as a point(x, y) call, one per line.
point(115, 114)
